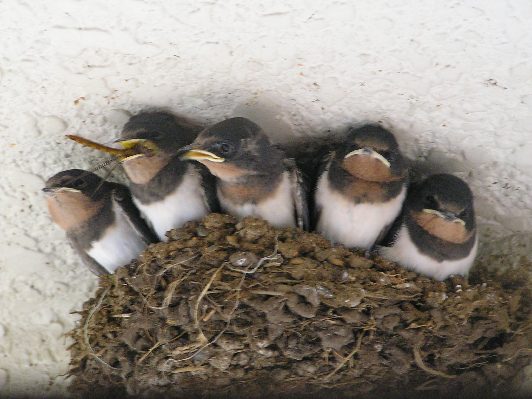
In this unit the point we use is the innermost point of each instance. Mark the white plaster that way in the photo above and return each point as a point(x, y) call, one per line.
point(452, 79)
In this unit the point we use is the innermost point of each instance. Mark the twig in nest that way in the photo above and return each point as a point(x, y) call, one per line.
point(140, 294)
point(149, 351)
point(517, 353)
point(265, 292)
point(177, 264)
point(86, 328)
point(170, 292)
point(186, 349)
point(202, 337)
point(429, 385)
point(422, 366)
point(157, 344)
point(348, 357)
point(235, 307)
point(122, 315)
point(208, 316)
point(203, 341)
point(173, 264)
point(203, 292)
point(187, 369)
point(168, 295)
point(272, 256)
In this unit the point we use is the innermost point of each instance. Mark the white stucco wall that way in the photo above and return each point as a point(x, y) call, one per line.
point(453, 79)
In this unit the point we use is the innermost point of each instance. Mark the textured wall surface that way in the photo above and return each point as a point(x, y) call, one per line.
point(453, 79)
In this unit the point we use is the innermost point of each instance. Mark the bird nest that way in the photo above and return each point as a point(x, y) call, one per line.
point(242, 309)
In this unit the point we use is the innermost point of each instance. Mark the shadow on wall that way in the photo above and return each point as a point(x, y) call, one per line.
point(278, 123)
point(283, 125)
point(272, 117)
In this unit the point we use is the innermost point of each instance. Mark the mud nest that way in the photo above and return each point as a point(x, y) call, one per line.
point(246, 310)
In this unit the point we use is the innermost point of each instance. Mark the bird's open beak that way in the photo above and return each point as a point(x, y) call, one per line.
point(189, 153)
point(369, 152)
point(448, 216)
point(129, 146)
point(130, 143)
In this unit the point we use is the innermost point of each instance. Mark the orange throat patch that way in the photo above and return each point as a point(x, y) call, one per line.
point(71, 210)
point(142, 169)
point(366, 191)
point(245, 193)
point(226, 171)
point(446, 230)
point(369, 169)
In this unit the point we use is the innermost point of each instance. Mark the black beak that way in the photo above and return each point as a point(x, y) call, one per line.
point(449, 215)
point(49, 191)
point(184, 150)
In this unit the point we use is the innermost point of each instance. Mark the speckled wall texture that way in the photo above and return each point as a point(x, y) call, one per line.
point(453, 79)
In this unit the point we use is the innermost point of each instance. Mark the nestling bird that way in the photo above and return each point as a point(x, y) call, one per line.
point(168, 191)
point(436, 233)
point(253, 177)
point(360, 188)
point(99, 218)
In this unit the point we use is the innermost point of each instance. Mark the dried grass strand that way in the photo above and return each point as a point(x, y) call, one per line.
point(347, 358)
point(94, 309)
point(424, 367)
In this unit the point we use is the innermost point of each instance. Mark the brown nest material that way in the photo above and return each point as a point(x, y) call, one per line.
point(247, 310)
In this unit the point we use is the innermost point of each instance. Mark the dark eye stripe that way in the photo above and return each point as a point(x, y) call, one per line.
point(78, 183)
point(432, 202)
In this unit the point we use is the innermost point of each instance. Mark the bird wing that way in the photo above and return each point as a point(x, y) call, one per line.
point(123, 199)
point(208, 183)
point(93, 266)
point(321, 168)
point(306, 151)
point(389, 233)
point(299, 189)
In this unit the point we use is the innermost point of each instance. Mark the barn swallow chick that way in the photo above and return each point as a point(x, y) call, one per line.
point(168, 191)
point(253, 177)
point(99, 218)
point(360, 188)
point(436, 233)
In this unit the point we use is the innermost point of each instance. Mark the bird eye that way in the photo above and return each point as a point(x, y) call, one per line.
point(463, 214)
point(224, 148)
point(430, 202)
point(156, 135)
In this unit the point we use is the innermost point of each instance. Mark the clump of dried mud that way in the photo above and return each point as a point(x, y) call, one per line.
point(245, 310)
